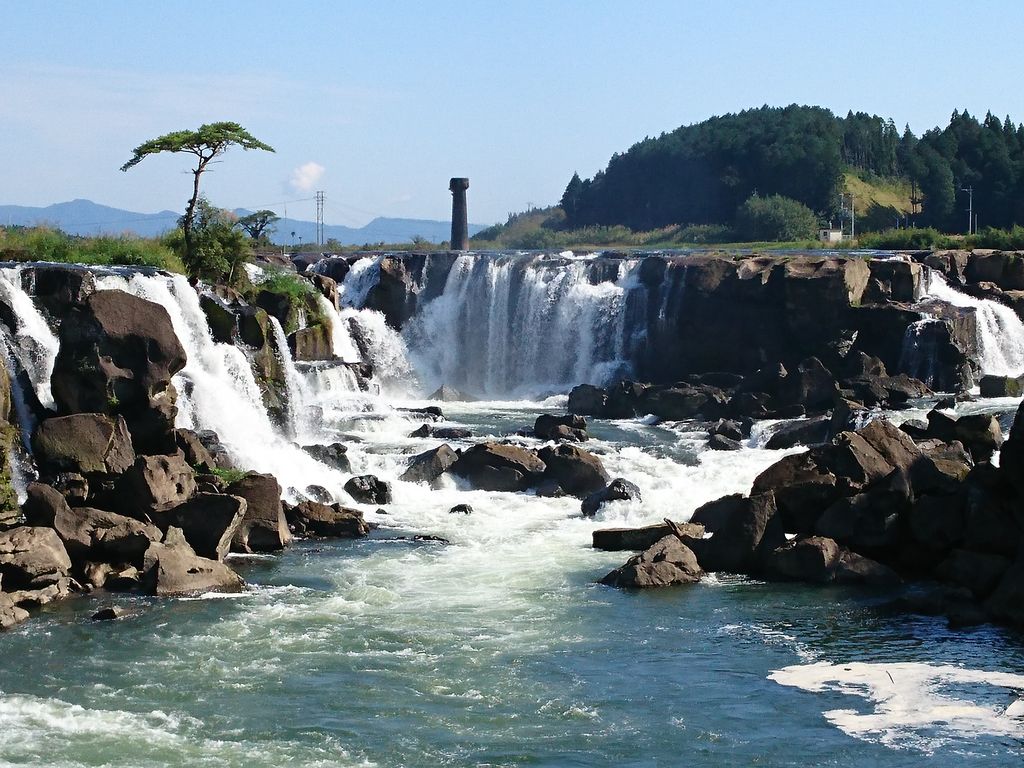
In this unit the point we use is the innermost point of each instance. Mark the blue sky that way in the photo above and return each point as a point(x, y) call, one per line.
point(378, 104)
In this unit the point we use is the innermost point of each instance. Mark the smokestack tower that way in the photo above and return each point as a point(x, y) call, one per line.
point(460, 218)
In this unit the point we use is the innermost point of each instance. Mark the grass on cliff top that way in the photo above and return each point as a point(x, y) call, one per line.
point(44, 244)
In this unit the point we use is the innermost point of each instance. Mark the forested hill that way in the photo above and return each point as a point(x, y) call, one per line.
point(702, 173)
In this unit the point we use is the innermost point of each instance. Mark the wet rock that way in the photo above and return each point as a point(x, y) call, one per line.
point(723, 443)
point(812, 431)
point(618, 489)
point(871, 521)
point(172, 567)
point(84, 443)
point(941, 468)
point(744, 530)
point(196, 454)
point(1002, 386)
point(88, 533)
point(977, 571)
point(812, 559)
point(447, 394)
point(461, 509)
point(333, 455)
point(1007, 602)
point(219, 316)
point(109, 613)
point(802, 489)
point(571, 427)
point(309, 518)
point(639, 539)
point(588, 400)
point(117, 356)
point(727, 428)
point(327, 286)
point(495, 466)
point(430, 465)
point(208, 521)
point(210, 440)
point(32, 557)
point(317, 493)
point(311, 344)
point(73, 487)
point(368, 489)
point(665, 563)
point(810, 385)
point(852, 568)
point(155, 483)
point(579, 472)
point(550, 489)
point(979, 433)
point(10, 613)
point(263, 527)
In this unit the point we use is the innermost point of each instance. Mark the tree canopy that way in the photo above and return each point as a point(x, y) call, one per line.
point(259, 225)
point(208, 142)
point(702, 173)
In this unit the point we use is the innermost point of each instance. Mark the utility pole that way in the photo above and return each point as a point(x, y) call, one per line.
point(853, 213)
point(320, 218)
point(970, 206)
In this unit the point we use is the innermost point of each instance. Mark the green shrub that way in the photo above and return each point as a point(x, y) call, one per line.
point(912, 239)
point(775, 218)
point(44, 244)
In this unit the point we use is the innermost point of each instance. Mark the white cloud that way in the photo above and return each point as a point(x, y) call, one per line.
point(305, 177)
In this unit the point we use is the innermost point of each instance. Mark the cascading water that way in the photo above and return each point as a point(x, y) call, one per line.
point(34, 343)
point(217, 389)
point(519, 325)
point(1000, 331)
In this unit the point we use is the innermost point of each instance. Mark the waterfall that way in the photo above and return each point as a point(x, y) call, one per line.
point(341, 340)
point(34, 344)
point(217, 389)
point(517, 325)
point(1000, 331)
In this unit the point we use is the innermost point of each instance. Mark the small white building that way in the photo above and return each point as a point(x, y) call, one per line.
point(830, 235)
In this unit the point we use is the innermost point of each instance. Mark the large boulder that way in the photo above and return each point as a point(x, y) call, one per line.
point(209, 522)
point(1007, 601)
point(197, 455)
point(310, 518)
point(588, 400)
point(172, 567)
point(812, 431)
point(155, 483)
point(117, 356)
point(577, 471)
point(744, 530)
point(499, 467)
point(871, 521)
point(32, 557)
point(618, 489)
point(668, 561)
point(639, 539)
point(333, 455)
point(979, 433)
point(572, 427)
point(89, 534)
point(426, 467)
point(813, 559)
point(84, 443)
point(10, 612)
point(311, 344)
point(263, 528)
point(369, 489)
point(802, 490)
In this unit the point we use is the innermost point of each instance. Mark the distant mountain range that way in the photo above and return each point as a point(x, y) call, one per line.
point(84, 217)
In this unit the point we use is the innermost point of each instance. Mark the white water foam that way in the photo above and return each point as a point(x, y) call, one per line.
point(1000, 331)
point(519, 325)
point(917, 705)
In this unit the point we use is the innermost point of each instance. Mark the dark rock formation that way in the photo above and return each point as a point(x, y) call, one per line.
point(570, 427)
point(117, 356)
point(333, 455)
point(84, 443)
point(209, 522)
point(577, 471)
point(499, 467)
point(666, 562)
point(263, 527)
point(430, 465)
point(617, 539)
point(309, 518)
point(172, 567)
point(155, 483)
point(368, 489)
point(618, 489)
